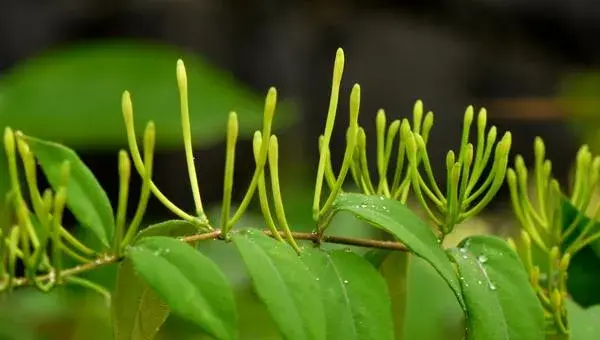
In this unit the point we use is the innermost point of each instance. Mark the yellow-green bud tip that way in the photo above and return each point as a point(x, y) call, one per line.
point(149, 134)
point(181, 74)
point(469, 113)
point(394, 127)
point(380, 118)
point(411, 144)
point(418, 114)
point(9, 140)
point(428, 122)
point(24, 149)
point(469, 154)
point(60, 199)
point(404, 128)
point(270, 103)
point(256, 143)
point(338, 66)
point(127, 107)
point(232, 125)
point(450, 159)
point(362, 136)
point(520, 163)
point(124, 163)
point(539, 147)
point(511, 176)
point(482, 118)
point(65, 172)
point(354, 103)
point(273, 146)
point(526, 238)
point(583, 152)
point(503, 147)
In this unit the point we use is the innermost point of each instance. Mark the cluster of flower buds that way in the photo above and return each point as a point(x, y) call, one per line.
point(35, 238)
point(467, 192)
point(553, 224)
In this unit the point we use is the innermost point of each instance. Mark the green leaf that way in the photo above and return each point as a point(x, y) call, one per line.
point(138, 312)
point(584, 324)
point(355, 297)
point(395, 218)
point(432, 310)
point(501, 303)
point(85, 197)
point(570, 214)
point(284, 284)
point(584, 278)
point(73, 95)
point(394, 270)
point(376, 256)
point(189, 282)
point(172, 228)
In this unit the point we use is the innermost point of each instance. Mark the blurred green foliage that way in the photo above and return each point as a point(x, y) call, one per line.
point(72, 95)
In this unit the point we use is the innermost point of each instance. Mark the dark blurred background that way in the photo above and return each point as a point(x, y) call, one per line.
point(523, 60)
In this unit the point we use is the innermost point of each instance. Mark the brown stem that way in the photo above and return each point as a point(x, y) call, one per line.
point(216, 234)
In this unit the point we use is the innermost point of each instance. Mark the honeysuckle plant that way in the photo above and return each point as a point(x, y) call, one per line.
point(309, 291)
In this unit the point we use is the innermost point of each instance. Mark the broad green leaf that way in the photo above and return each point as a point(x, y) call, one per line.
point(284, 284)
point(394, 267)
point(376, 256)
point(138, 313)
point(501, 303)
point(394, 271)
point(572, 215)
point(584, 278)
point(189, 282)
point(73, 95)
point(395, 218)
point(432, 310)
point(85, 197)
point(355, 297)
point(584, 324)
point(172, 228)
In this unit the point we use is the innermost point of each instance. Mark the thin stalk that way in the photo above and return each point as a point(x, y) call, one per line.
point(136, 156)
point(232, 134)
point(277, 200)
point(338, 70)
point(269, 112)
point(124, 178)
point(262, 191)
point(149, 140)
point(182, 84)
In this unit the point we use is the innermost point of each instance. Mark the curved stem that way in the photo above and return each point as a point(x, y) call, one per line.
point(187, 137)
point(338, 70)
point(149, 137)
point(232, 133)
point(136, 156)
point(279, 210)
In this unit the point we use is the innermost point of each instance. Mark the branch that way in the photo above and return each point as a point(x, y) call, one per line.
point(213, 235)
